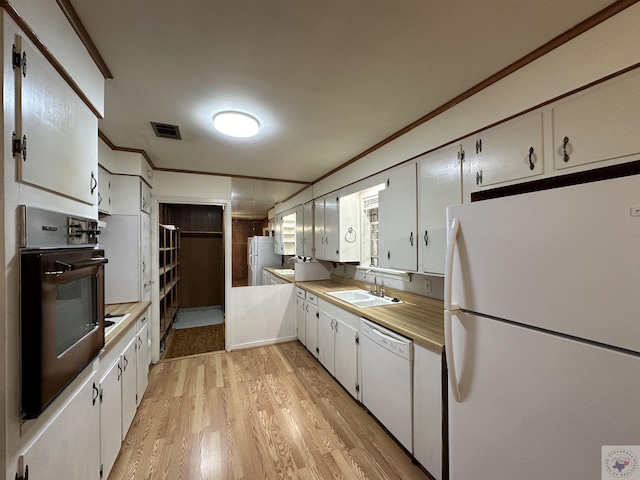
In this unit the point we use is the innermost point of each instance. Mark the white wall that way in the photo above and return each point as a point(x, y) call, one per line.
point(261, 315)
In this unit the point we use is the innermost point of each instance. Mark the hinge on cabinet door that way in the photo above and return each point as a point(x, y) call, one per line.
point(19, 61)
point(479, 145)
point(461, 156)
point(101, 470)
point(357, 339)
point(317, 314)
point(101, 395)
point(388, 182)
point(19, 146)
point(479, 177)
point(318, 350)
point(357, 387)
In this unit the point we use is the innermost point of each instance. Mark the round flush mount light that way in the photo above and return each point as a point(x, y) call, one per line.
point(236, 124)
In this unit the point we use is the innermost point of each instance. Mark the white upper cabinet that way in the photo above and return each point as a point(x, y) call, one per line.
point(104, 190)
point(145, 197)
point(439, 185)
point(509, 152)
point(332, 227)
point(299, 230)
point(318, 228)
point(397, 208)
point(599, 124)
point(307, 230)
point(56, 131)
point(336, 222)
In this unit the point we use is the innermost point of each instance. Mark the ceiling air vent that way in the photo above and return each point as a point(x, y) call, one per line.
point(164, 130)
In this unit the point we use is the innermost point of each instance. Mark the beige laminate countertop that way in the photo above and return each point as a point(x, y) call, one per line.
point(419, 318)
point(135, 309)
point(274, 270)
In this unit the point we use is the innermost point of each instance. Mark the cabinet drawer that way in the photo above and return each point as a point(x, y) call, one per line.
point(312, 299)
point(301, 293)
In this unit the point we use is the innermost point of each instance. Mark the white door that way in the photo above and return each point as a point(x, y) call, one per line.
point(110, 413)
point(598, 125)
point(346, 357)
point(142, 362)
point(61, 132)
point(145, 247)
point(332, 227)
point(325, 340)
point(565, 260)
point(440, 185)
point(301, 320)
point(311, 328)
point(70, 445)
point(512, 151)
point(397, 208)
point(535, 405)
point(318, 228)
point(129, 386)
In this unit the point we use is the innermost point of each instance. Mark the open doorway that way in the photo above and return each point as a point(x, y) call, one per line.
point(192, 310)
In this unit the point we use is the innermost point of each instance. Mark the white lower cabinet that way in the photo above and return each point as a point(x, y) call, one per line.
point(142, 362)
point(311, 328)
point(326, 340)
point(110, 409)
point(427, 410)
point(338, 345)
point(129, 386)
point(69, 447)
point(346, 354)
point(300, 315)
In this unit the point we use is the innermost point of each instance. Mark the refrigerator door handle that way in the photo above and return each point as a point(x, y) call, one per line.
point(448, 266)
point(448, 351)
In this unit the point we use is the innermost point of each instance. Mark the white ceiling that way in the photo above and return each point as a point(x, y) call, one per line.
point(327, 80)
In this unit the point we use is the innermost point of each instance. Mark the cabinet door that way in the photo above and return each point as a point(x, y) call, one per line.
point(129, 386)
point(346, 356)
point(440, 185)
point(513, 151)
point(104, 190)
point(332, 227)
point(110, 414)
point(397, 209)
point(427, 409)
point(599, 124)
point(311, 328)
point(70, 445)
point(307, 230)
point(301, 320)
point(300, 230)
point(61, 132)
point(279, 246)
point(325, 340)
point(318, 228)
point(145, 247)
point(145, 197)
point(142, 362)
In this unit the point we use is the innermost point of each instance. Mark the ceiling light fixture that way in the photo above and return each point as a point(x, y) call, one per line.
point(236, 124)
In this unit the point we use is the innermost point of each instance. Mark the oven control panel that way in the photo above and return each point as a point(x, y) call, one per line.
point(41, 228)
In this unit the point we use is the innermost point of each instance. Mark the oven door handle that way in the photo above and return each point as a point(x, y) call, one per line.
point(67, 267)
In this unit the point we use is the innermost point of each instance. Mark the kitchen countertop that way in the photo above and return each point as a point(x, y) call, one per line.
point(288, 277)
point(419, 318)
point(135, 309)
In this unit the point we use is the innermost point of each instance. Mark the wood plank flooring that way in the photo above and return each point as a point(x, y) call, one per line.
point(265, 413)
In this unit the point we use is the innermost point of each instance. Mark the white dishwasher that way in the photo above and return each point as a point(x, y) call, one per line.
point(386, 366)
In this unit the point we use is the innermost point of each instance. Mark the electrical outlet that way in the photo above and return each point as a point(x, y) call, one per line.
point(427, 285)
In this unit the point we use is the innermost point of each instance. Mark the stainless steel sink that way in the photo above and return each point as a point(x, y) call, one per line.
point(362, 298)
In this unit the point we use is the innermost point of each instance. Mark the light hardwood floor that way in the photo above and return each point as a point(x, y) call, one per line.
point(265, 413)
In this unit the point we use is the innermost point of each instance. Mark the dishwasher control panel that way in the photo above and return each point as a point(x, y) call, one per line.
point(387, 339)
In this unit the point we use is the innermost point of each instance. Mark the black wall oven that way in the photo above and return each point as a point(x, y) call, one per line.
point(62, 304)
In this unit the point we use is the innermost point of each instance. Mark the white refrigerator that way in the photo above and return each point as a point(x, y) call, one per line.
point(542, 332)
point(261, 253)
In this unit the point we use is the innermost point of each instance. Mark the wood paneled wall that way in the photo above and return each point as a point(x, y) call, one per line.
point(241, 230)
point(201, 253)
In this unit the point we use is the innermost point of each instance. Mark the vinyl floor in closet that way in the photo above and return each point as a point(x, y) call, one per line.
point(265, 413)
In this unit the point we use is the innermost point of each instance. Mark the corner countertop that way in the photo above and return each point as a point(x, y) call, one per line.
point(135, 309)
point(419, 318)
point(274, 271)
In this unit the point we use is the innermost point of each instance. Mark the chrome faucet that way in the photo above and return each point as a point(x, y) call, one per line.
point(375, 282)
